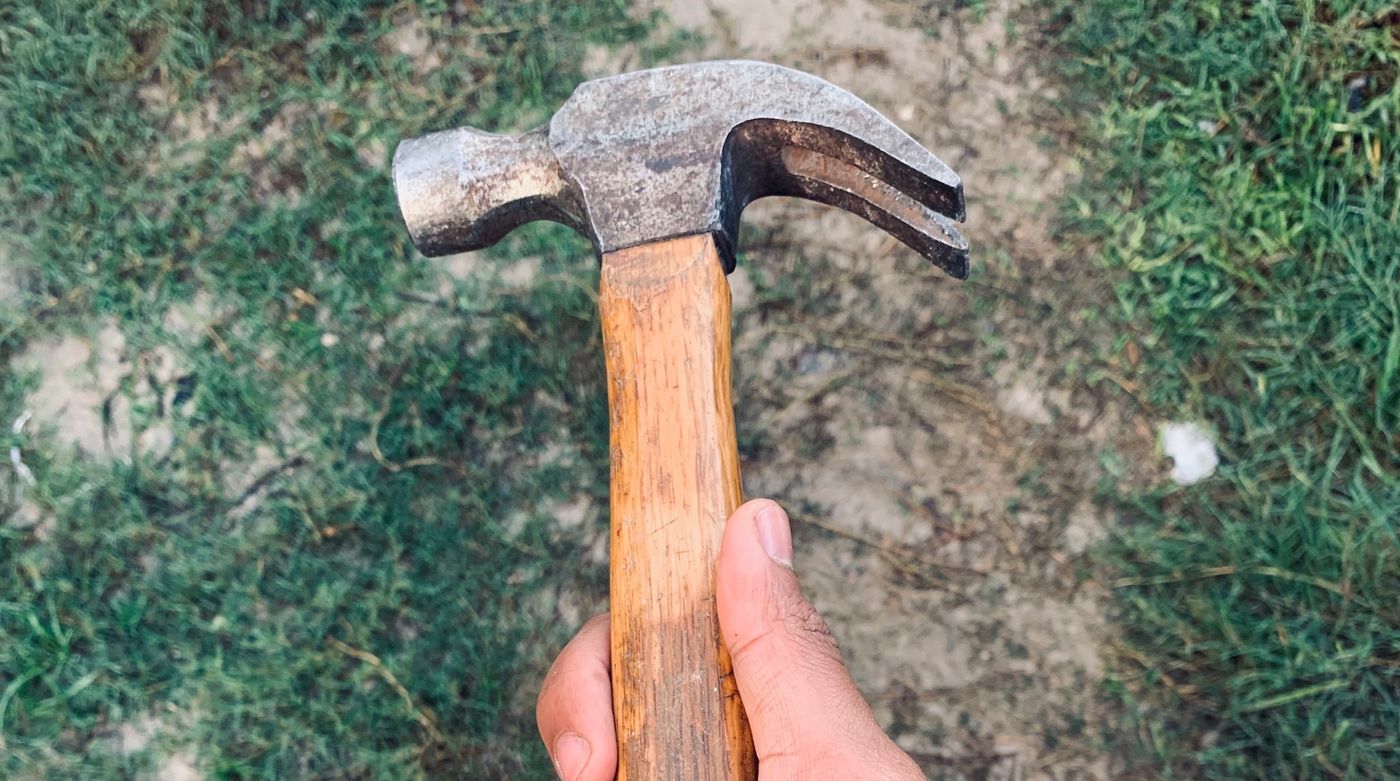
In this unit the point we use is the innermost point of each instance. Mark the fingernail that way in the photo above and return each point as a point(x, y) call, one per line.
point(774, 534)
point(571, 754)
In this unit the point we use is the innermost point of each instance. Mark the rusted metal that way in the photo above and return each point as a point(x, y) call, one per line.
point(676, 151)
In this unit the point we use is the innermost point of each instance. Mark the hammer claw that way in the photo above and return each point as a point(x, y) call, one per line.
point(914, 204)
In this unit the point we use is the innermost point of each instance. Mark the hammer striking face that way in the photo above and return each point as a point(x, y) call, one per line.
point(655, 168)
point(677, 151)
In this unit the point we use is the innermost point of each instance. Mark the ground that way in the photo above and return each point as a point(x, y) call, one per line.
point(942, 465)
point(332, 510)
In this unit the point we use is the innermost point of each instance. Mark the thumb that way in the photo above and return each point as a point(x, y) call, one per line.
point(805, 711)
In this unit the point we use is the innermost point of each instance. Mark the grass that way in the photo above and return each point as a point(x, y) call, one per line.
point(1243, 182)
point(342, 567)
point(345, 565)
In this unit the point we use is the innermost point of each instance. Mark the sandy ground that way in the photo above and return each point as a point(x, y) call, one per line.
point(937, 455)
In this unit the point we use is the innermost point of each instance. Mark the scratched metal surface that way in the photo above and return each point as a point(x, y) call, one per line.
point(676, 151)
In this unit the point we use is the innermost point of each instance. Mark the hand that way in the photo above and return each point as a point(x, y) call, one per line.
point(808, 719)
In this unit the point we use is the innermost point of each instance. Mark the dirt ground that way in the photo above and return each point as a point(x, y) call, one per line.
point(938, 453)
point(939, 457)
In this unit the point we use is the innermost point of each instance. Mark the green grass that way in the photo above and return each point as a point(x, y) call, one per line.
point(269, 629)
point(343, 567)
point(1249, 200)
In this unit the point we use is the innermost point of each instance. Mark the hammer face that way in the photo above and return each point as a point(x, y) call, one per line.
point(677, 151)
point(463, 189)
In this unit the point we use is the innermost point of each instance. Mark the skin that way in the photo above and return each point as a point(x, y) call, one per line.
point(808, 718)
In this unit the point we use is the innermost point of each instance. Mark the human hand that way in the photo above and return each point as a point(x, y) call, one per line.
point(807, 717)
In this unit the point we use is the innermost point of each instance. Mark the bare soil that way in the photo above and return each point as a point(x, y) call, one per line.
point(937, 452)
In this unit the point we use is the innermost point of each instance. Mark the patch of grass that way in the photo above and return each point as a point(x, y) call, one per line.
point(1242, 180)
point(342, 568)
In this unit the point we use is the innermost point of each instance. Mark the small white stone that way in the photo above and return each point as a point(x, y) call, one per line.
point(329, 339)
point(1192, 451)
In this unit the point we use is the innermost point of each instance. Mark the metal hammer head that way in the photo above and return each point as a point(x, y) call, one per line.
point(676, 151)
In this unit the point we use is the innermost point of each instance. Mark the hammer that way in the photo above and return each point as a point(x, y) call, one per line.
point(655, 167)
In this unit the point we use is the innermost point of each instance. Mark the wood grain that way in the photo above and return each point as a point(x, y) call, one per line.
point(675, 480)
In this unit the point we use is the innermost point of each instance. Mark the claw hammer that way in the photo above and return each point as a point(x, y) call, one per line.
point(655, 167)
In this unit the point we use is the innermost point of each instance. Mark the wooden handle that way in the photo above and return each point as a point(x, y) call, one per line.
point(675, 479)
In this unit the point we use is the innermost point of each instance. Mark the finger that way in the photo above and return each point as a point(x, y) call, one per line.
point(789, 669)
point(574, 709)
point(802, 705)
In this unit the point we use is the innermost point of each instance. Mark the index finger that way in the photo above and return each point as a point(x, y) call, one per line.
point(574, 709)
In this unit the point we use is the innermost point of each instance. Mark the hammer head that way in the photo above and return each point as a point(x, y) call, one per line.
point(676, 151)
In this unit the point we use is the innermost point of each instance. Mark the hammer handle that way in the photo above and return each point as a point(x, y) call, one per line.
point(675, 480)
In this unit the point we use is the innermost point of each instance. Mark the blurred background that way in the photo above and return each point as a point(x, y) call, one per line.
point(285, 499)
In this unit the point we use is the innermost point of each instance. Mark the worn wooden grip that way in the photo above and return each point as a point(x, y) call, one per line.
point(675, 479)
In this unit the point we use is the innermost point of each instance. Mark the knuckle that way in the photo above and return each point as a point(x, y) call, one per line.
point(808, 627)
